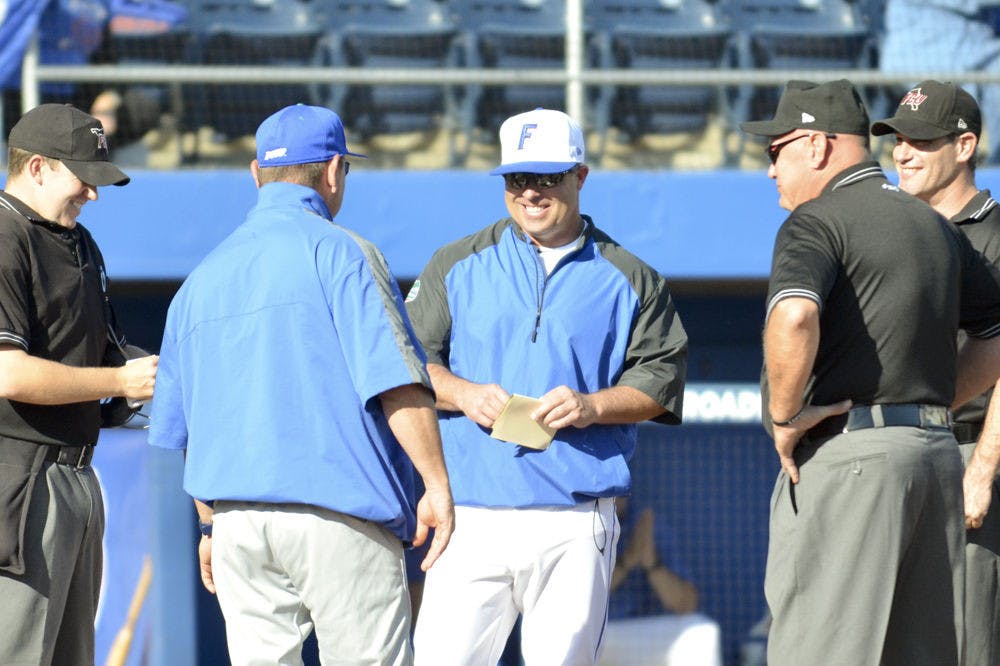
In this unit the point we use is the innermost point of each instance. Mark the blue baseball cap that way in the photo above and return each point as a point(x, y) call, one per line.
point(300, 134)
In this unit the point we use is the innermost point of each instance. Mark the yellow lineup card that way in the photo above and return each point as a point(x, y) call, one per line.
point(515, 424)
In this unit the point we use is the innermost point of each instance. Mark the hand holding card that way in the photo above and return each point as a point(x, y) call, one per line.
point(515, 424)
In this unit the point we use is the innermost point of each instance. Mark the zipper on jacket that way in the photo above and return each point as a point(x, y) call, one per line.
point(540, 289)
point(539, 294)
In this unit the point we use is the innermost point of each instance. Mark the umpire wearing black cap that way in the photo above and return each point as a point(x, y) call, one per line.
point(937, 127)
point(868, 289)
point(56, 333)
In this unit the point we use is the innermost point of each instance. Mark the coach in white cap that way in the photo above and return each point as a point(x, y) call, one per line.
point(543, 312)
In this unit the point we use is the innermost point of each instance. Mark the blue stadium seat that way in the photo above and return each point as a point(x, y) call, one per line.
point(513, 35)
point(148, 32)
point(795, 34)
point(394, 34)
point(661, 35)
point(254, 32)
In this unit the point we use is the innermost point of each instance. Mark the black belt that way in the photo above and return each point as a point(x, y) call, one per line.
point(966, 433)
point(77, 456)
point(883, 416)
point(23, 453)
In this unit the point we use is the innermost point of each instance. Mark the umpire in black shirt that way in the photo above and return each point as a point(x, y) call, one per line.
point(868, 289)
point(937, 127)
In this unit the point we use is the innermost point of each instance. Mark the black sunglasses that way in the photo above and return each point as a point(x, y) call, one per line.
point(537, 181)
point(347, 167)
point(774, 149)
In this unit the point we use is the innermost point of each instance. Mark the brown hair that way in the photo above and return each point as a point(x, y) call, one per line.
point(17, 159)
point(310, 174)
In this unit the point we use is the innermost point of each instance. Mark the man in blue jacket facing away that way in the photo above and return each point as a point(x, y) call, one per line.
point(545, 305)
point(296, 388)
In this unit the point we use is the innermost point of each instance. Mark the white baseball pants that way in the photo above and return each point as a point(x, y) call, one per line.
point(552, 564)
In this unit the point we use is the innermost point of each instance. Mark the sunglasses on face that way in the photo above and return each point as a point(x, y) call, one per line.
point(347, 167)
point(536, 181)
point(774, 149)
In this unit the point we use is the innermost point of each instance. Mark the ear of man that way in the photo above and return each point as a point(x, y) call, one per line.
point(333, 168)
point(255, 172)
point(967, 146)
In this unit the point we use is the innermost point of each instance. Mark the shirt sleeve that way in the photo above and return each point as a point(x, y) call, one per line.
point(15, 288)
point(427, 305)
point(376, 337)
point(806, 261)
point(168, 420)
point(656, 359)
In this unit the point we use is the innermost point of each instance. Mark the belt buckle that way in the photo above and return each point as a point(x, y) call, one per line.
point(935, 416)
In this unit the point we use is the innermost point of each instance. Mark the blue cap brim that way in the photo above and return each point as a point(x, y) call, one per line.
point(533, 167)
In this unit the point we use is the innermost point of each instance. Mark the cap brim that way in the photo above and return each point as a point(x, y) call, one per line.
point(97, 173)
point(356, 154)
point(766, 127)
point(533, 167)
point(909, 127)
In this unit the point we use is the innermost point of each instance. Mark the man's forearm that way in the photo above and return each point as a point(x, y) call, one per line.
point(987, 452)
point(978, 368)
point(791, 339)
point(624, 404)
point(410, 413)
point(38, 381)
point(446, 387)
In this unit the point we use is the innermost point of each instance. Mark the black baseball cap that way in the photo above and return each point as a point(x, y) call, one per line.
point(826, 107)
point(65, 133)
point(933, 110)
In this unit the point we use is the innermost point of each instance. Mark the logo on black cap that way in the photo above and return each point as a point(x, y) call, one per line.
point(102, 141)
point(914, 98)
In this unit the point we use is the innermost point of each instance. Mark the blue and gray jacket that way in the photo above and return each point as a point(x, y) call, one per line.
point(484, 308)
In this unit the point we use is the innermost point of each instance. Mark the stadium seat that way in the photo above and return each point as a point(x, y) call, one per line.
point(394, 34)
point(148, 32)
point(661, 35)
point(795, 34)
point(513, 35)
point(254, 32)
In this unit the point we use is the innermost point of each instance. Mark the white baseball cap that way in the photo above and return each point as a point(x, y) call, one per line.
point(539, 141)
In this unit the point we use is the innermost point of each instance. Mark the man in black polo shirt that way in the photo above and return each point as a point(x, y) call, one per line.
point(868, 289)
point(937, 127)
point(54, 337)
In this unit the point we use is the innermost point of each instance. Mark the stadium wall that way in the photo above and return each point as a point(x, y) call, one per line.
point(698, 225)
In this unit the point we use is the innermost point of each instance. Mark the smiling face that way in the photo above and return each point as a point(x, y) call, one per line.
point(64, 194)
point(550, 216)
point(927, 168)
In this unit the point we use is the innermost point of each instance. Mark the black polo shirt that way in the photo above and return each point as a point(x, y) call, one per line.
point(893, 280)
point(980, 220)
point(51, 305)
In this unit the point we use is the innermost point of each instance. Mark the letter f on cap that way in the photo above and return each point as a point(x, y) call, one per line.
point(525, 133)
